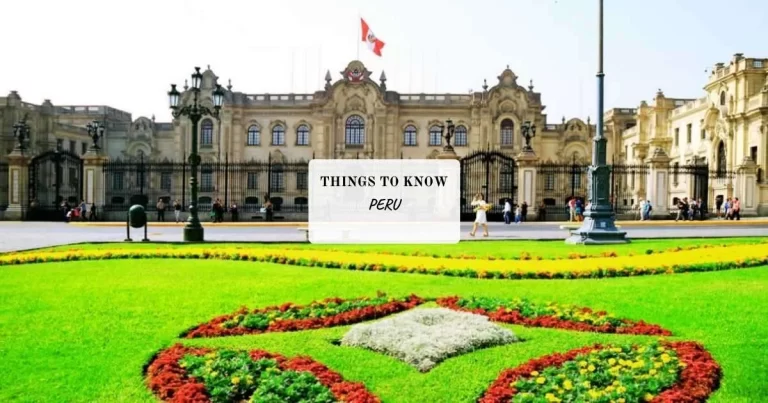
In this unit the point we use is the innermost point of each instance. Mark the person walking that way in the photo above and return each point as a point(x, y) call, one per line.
point(524, 212)
point(736, 209)
point(481, 207)
point(177, 210)
point(647, 208)
point(507, 211)
point(542, 212)
point(234, 212)
point(160, 210)
point(518, 214)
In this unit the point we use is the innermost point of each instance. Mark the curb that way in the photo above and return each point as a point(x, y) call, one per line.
point(559, 224)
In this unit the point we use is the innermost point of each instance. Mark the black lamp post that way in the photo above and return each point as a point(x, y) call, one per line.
point(95, 131)
point(599, 225)
point(529, 132)
point(193, 230)
point(21, 133)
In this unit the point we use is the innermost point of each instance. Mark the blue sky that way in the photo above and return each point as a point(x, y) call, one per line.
point(125, 54)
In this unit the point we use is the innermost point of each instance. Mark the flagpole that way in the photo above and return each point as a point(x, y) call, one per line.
point(306, 88)
point(359, 33)
point(293, 68)
point(320, 67)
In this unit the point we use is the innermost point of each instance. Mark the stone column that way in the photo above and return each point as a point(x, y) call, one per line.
point(526, 181)
point(658, 184)
point(94, 183)
point(746, 186)
point(18, 186)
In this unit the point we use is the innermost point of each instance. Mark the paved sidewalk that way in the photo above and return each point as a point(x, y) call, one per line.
point(30, 235)
point(750, 221)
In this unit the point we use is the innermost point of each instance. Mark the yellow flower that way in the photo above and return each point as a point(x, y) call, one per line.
point(591, 368)
point(534, 373)
point(582, 371)
point(540, 380)
point(235, 380)
point(586, 384)
point(582, 364)
point(612, 361)
point(594, 394)
point(568, 385)
point(621, 389)
point(652, 372)
point(648, 397)
point(665, 358)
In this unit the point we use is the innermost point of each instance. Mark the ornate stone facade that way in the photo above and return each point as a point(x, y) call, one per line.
point(727, 129)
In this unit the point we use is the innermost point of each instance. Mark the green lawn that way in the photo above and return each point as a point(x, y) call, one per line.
point(507, 249)
point(81, 331)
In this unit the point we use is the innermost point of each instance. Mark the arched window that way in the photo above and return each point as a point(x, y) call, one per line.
point(722, 98)
point(302, 135)
point(409, 135)
point(460, 136)
point(278, 135)
point(507, 132)
point(435, 136)
point(206, 133)
point(354, 131)
point(254, 136)
point(721, 164)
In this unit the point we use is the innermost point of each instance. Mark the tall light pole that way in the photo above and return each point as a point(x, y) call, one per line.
point(193, 230)
point(599, 225)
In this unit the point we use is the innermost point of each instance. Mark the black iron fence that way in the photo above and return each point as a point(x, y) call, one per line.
point(5, 191)
point(245, 184)
point(558, 183)
point(493, 175)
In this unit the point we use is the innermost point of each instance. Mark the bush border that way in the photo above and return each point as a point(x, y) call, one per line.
point(609, 272)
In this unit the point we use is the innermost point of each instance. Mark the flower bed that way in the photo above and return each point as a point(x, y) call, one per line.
point(524, 312)
point(290, 317)
point(709, 259)
point(679, 372)
point(187, 374)
point(529, 256)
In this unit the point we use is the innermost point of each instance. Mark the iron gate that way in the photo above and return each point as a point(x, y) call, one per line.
point(698, 181)
point(55, 177)
point(492, 174)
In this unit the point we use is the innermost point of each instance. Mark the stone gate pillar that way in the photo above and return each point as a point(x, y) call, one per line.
point(746, 186)
point(526, 182)
point(18, 186)
point(94, 183)
point(658, 184)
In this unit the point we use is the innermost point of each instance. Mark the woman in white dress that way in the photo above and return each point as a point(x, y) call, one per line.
point(480, 208)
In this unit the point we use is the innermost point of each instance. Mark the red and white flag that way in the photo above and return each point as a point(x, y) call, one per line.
point(374, 44)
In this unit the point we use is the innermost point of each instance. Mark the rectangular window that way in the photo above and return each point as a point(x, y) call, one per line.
point(409, 137)
point(84, 148)
point(206, 182)
point(60, 144)
point(165, 180)
point(435, 137)
point(549, 182)
point(677, 136)
point(689, 133)
point(753, 153)
point(626, 151)
point(758, 64)
point(73, 146)
point(302, 136)
point(278, 136)
point(277, 181)
point(576, 181)
point(302, 182)
point(703, 134)
point(252, 182)
point(117, 181)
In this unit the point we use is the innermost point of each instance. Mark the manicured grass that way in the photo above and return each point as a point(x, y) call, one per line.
point(499, 249)
point(81, 331)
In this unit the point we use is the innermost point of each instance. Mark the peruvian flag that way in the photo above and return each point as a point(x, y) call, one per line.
point(374, 43)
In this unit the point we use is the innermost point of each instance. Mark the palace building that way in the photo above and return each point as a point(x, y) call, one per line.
point(710, 147)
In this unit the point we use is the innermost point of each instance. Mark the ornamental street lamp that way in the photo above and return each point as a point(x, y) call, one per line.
point(193, 230)
point(21, 133)
point(95, 131)
point(599, 225)
point(529, 132)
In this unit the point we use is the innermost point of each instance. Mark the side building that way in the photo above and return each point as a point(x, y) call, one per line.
point(716, 146)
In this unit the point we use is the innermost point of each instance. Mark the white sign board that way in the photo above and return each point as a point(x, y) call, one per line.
point(384, 201)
